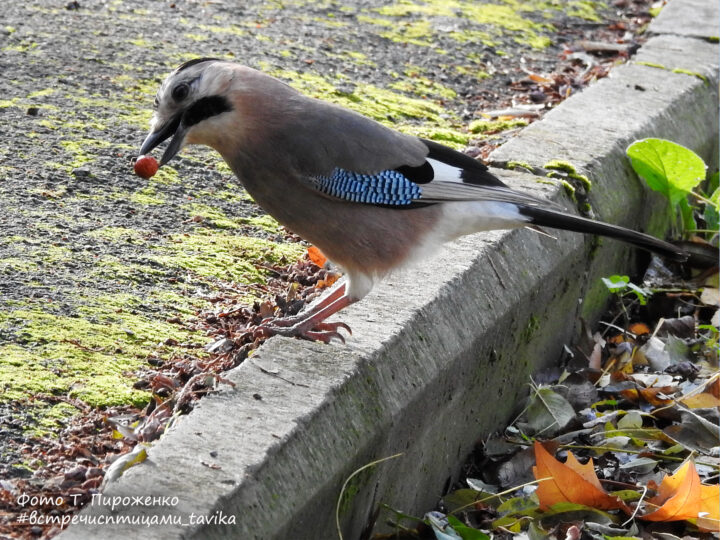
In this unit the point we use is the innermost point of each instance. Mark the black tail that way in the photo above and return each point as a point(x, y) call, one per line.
point(559, 220)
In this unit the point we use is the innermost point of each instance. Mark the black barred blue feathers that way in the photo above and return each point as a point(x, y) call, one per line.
point(387, 187)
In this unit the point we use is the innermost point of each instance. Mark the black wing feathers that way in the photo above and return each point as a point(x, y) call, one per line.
point(470, 170)
point(423, 174)
point(473, 172)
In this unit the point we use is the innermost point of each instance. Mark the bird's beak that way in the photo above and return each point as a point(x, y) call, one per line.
point(173, 128)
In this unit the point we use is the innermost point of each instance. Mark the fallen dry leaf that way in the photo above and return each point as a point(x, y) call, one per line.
point(316, 256)
point(694, 432)
point(701, 401)
point(538, 78)
point(709, 519)
point(650, 395)
point(713, 386)
point(678, 496)
point(705, 396)
point(570, 482)
point(682, 327)
point(710, 296)
point(329, 281)
point(648, 380)
point(621, 338)
point(639, 329)
point(595, 359)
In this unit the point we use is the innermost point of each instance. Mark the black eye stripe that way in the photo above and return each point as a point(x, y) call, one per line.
point(205, 108)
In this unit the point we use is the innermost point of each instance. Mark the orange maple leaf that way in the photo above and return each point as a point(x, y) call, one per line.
point(570, 482)
point(678, 496)
point(316, 256)
point(682, 496)
point(709, 519)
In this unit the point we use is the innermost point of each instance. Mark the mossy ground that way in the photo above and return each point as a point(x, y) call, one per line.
point(94, 261)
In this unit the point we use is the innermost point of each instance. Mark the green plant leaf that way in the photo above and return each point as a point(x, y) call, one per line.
point(711, 213)
point(641, 293)
point(579, 512)
point(616, 284)
point(619, 284)
point(518, 505)
point(626, 495)
point(511, 523)
point(713, 182)
point(462, 498)
point(687, 214)
point(667, 167)
point(465, 532)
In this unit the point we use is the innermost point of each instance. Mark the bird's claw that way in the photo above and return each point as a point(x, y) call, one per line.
point(325, 337)
point(333, 327)
point(283, 322)
point(323, 331)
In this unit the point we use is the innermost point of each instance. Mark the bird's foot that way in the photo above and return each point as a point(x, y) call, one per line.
point(305, 329)
point(282, 322)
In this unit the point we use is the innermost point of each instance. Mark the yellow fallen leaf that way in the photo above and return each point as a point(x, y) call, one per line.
point(701, 401)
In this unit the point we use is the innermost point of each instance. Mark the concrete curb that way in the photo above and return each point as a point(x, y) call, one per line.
point(440, 355)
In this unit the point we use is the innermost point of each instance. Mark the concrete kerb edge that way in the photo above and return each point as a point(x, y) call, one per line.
point(274, 450)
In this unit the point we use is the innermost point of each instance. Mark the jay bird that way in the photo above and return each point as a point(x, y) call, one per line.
point(370, 198)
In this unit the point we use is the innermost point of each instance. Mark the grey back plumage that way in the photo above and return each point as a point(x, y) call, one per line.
point(318, 136)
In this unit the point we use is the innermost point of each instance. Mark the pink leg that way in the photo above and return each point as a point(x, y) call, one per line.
point(310, 324)
point(334, 294)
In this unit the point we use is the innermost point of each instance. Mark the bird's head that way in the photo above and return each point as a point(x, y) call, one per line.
point(192, 103)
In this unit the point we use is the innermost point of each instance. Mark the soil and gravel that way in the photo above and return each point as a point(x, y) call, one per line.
point(105, 277)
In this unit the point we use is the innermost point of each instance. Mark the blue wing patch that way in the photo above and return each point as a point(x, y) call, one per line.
point(386, 187)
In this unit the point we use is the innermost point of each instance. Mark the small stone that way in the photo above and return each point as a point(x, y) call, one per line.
point(33, 111)
point(94, 472)
point(345, 88)
point(78, 473)
point(82, 172)
point(538, 96)
point(220, 346)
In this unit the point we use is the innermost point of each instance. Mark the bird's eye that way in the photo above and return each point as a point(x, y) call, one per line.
point(180, 92)
point(156, 104)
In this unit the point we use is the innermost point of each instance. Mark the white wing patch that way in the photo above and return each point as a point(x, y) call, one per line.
point(448, 185)
point(444, 172)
